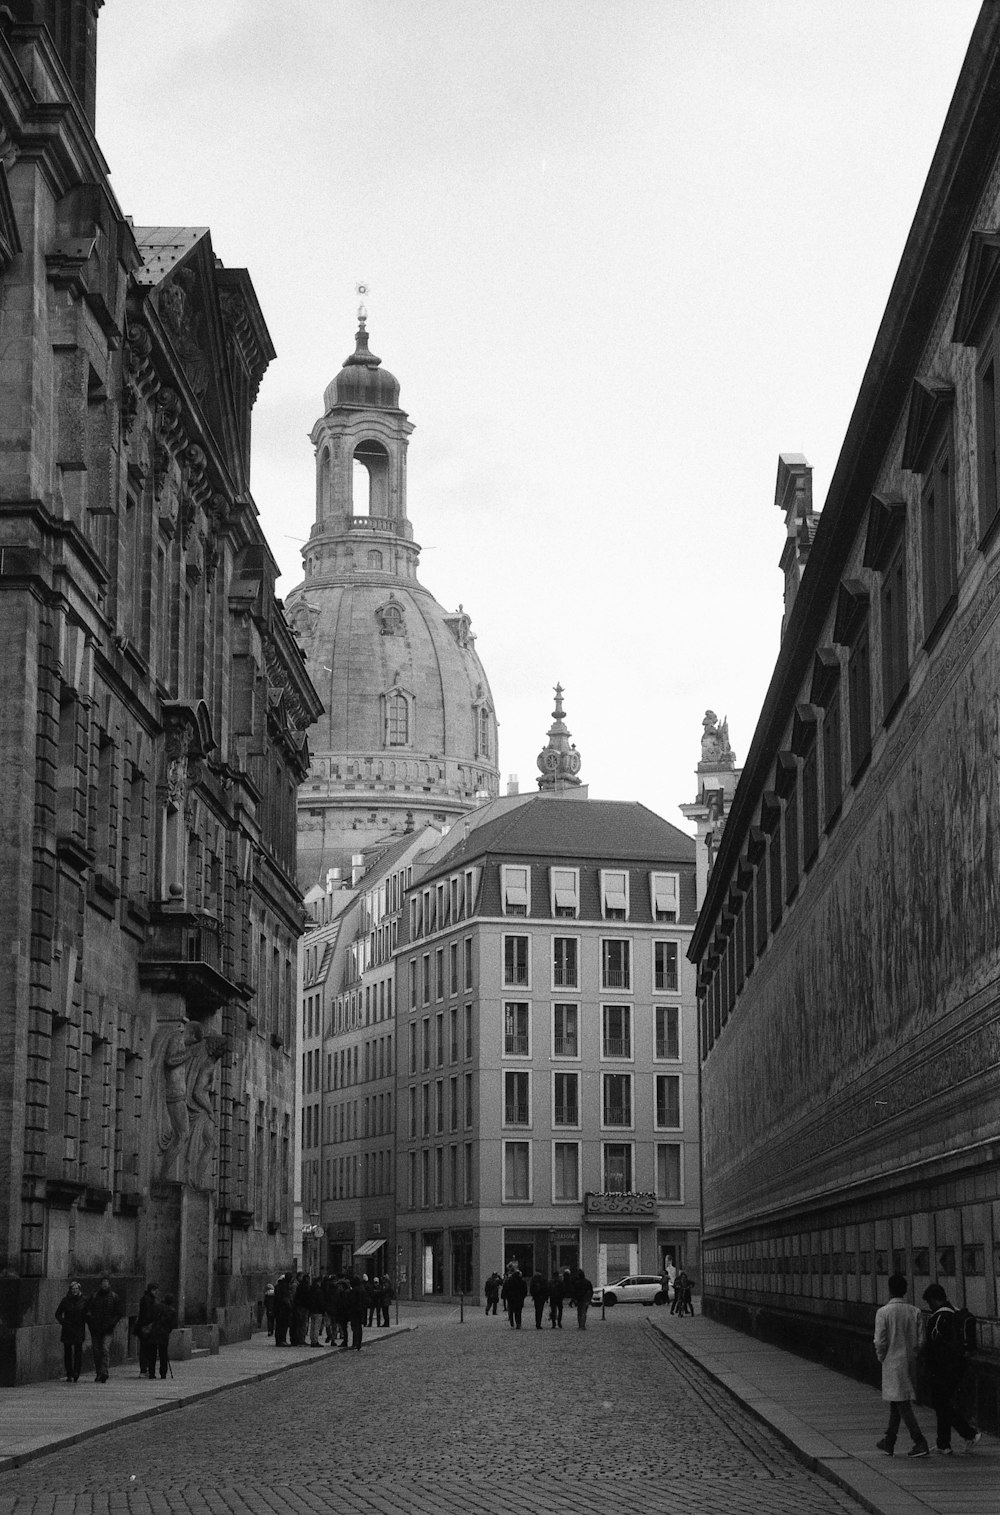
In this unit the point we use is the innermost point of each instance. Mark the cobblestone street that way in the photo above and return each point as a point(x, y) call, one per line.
point(450, 1417)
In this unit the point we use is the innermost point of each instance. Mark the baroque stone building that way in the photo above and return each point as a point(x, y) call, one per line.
point(409, 733)
point(848, 949)
point(155, 706)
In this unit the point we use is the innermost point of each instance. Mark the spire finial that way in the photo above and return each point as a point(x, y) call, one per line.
point(559, 761)
point(362, 289)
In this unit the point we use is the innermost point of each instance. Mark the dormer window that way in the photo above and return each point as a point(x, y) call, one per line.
point(664, 890)
point(564, 887)
point(515, 889)
point(614, 894)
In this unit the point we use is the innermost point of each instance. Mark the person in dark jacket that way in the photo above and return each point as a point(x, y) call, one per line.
point(300, 1310)
point(945, 1359)
point(317, 1310)
point(342, 1312)
point(580, 1292)
point(513, 1295)
point(143, 1324)
point(103, 1314)
point(282, 1310)
point(357, 1311)
point(539, 1290)
point(71, 1313)
point(269, 1307)
point(164, 1321)
point(388, 1295)
point(556, 1294)
point(492, 1291)
point(375, 1297)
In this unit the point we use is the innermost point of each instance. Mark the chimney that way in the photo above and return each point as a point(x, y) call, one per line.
point(72, 25)
point(512, 784)
point(357, 866)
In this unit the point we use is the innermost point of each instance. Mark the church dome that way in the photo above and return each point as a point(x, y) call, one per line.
point(362, 381)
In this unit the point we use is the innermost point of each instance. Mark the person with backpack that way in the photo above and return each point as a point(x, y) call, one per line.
point(946, 1354)
point(163, 1323)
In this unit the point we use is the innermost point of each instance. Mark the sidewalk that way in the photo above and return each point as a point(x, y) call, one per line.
point(833, 1422)
point(37, 1418)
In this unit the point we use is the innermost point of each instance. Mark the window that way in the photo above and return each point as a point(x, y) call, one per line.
point(987, 400)
point(453, 966)
point(833, 780)
point(566, 1101)
point(439, 1106)
point(453, 1040)
point(885, 552)
point(565, 1031)
point(468, 1030)
point(617, 1165)
point(616, 1038)
point(565, 972)
point(516, 1039)
point(668, 1100)
point(468, 1100)
point(664, 889)
point(413, 1047)
point(425, 1104)
point(515, 960)
point(397, 720)
point(614, 894)
point(852, 630)
point(468, 962)
point(668, 1035)
point(439, 973)
point(810, 801)
point(668, 1171)
point(515, 1099)
point(938, 533)
point(453, 1108)
point(426, 1042)
point(565, 1170)
point(517, 1171)
point(515, 889)
point(564, 888)
point(439, 1039)
point(616, 969)
point(616, 1108)
point(426, 977)
point(665, 958)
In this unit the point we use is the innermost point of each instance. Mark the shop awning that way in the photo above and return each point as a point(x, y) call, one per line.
point(369, 1248)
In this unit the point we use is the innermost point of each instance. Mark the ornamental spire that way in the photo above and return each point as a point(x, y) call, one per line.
point(559, 761)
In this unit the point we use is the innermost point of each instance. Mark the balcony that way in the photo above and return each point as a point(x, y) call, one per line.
point(182, 955)
point(516, 1115)
point(515, 1046)
point(617, 1115)
point(566, 1115)
point(564, 1046)
point(666, 981)
point(371, 523)
point(516, 973)
point(617, 1046)
point(616, 978)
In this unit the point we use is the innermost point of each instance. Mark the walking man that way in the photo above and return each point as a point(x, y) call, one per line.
point(103, 1314)
point(946, 1370)
point(493, 1284)
point(899, 1336)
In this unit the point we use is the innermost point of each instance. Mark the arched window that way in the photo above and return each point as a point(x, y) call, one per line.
point(374, 559)
point(397, 720)
point(484, 733)
point(323, 484)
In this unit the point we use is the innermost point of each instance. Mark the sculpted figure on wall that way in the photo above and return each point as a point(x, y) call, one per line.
point(185, 1061)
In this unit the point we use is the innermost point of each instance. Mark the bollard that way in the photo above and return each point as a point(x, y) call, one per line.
point(461, 1308)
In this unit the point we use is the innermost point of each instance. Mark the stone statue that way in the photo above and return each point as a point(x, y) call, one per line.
point(184, 1063)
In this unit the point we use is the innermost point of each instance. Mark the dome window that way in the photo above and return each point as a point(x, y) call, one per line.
point(397, 720)
point(375, 559)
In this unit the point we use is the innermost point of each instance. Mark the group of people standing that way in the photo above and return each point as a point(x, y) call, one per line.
point(902, 1334)
point(571, 1286)
point(678, 1289)
point(301, 1310)
point(100, 1315)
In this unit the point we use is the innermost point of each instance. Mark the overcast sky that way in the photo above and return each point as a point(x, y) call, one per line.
point(621, 255)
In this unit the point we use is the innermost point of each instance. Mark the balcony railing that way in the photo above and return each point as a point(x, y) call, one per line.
point(567, 1115)
point(564, 978)
point(616, 978)
point(370, 523)
point(617, 1115)
point(516, 1115)
point(666, 1047)
point(617, 1046)
point(667, 981)
point(564, 1046)
point(516, 973)
point(516, 1046)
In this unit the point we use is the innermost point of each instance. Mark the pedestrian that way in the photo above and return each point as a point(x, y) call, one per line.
point(357, 1311)
point(946, 1370)
point(316, 1311)
point(388, 1295)
point(493, 1286)
point(583, 1291)
point(680, 1285)
point(143, 1324)
point(164, 1322)
point(71, 1313)
point(538, 1288)
point(556, 1293)
point(103, 1314)
point(375, 1301)
point(899, 1336)
point(687, 1288)
point(513, 1295)
point(282, 1309)
point(329, 1299)
point(269, 1307)
point(300, 1310)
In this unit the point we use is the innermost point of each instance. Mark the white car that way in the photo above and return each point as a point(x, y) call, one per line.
point(636, 1289)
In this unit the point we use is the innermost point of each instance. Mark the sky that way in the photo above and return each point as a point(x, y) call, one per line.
point(621, 254)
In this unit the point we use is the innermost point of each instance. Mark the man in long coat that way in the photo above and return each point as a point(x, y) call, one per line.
point(899, 1336)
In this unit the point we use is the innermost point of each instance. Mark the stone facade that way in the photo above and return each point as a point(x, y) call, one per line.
point(155, 706)
point(847, 950)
